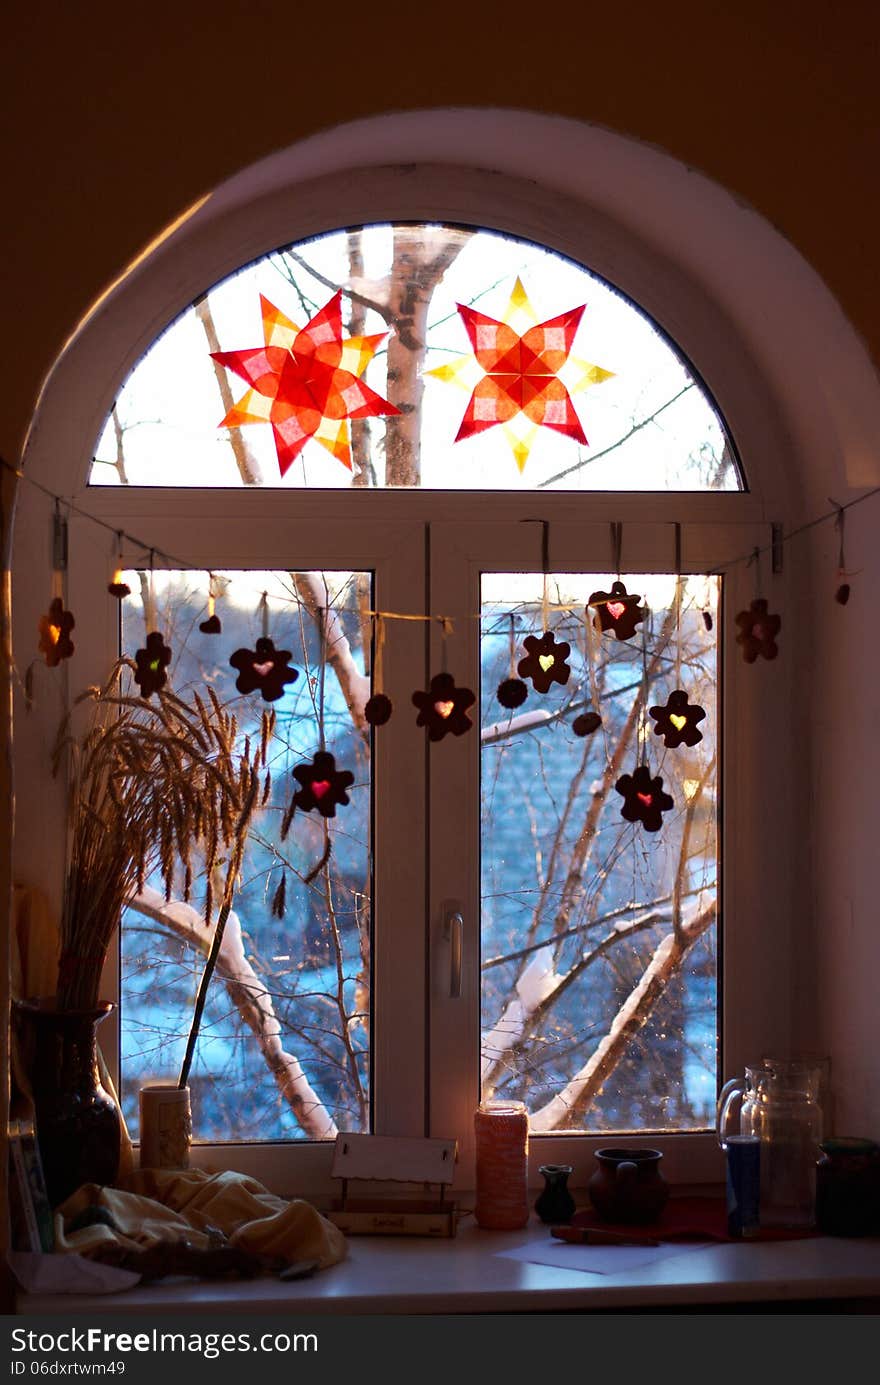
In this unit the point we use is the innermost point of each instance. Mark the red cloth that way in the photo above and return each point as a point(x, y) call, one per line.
point(689, 1219)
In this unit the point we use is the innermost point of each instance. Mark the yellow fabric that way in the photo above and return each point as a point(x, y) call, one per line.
point(35, 948)
point(169, 1205)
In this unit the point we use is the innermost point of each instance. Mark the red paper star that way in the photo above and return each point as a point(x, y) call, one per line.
point(305, 382)
point(520, 387)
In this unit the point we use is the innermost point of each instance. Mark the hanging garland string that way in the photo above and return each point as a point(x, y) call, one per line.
point(841, 595)
point(379, 707)
point(322, 670)
point(118, 587)
point(589, 719)
point(642, 725)
point(545, 568)
point(173, 561)
point(678, 598)
point(616, 546)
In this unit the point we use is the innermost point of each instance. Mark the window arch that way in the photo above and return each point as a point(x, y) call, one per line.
point(407, 311)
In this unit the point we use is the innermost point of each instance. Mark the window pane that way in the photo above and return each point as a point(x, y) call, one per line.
point(409, 356)
point(598, 938)
point(283, 1051)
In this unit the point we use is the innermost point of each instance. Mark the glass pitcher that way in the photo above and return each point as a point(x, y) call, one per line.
point(779, 1102)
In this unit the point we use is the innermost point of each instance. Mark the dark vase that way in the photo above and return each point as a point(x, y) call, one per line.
point(555, 1204)
point(77, 1121)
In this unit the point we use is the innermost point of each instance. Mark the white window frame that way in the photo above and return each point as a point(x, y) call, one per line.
point(240, 529)
point(210, 528)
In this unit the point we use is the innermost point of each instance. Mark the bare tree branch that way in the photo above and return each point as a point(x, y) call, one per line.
point(678, 883)
point(248, 466)
point(354, 684)
point(578, 1095)
point(636, 428)
point(251, 999)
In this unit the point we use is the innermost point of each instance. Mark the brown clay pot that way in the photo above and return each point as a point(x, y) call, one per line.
point(77, 1121)
point(628, 1186)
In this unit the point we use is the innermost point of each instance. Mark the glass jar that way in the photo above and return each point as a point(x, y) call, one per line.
point(780, 1105)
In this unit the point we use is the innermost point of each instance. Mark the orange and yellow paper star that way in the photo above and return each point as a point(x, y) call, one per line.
point(521, 374)
point(305, 382)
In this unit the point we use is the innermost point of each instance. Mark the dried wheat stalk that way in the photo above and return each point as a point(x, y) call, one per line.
point(154, 785)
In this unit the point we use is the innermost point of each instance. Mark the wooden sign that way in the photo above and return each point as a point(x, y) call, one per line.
point(393, 1159)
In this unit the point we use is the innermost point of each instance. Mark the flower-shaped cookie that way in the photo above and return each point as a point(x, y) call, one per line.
point(586, 723)
point(151, 664)
point(512, 693)
point(323, 786)
point(378, 710)
point(545, 661)
point(617, 612)
point(264, 669)
point(55, 627)
point(677, 721)
point(757, 631)
point(643, 798)
point(443, 708)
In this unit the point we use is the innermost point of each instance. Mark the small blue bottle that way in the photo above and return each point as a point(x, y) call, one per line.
point(743, 1184)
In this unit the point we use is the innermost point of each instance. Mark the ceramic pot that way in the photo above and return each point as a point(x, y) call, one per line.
point(628, 1186)
point(77, 1121)
point(555, 1204)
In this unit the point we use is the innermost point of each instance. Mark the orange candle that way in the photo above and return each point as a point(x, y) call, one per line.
point(502, 1138)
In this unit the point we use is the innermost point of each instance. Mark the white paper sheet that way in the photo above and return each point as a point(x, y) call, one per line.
point(597, 1259)
point(67, 1274)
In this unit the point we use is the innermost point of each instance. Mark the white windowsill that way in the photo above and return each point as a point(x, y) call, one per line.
point(466, 1275)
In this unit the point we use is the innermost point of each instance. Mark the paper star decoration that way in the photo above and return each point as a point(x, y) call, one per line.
point(617, 612)
point(677, 722)
point(545, 661)
point(322, 786)
point(151, 663)
point(444, 707)
point(758, 629)
point(644, 799)
point(521, 374)
point(305, 382)
point(264, 669)
point(55, 627)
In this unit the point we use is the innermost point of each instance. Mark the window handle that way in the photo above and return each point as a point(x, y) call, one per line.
point(455, 924)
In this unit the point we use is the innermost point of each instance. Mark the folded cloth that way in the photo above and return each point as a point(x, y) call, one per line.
point(157, 1205)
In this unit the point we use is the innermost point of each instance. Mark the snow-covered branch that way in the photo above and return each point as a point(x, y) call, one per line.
point(251, 999)
point(578, 1095)
point(354, 684)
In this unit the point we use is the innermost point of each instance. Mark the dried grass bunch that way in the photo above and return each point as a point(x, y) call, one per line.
point(158, 785)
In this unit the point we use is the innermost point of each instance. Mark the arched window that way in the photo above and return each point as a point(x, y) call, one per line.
point(419, 450)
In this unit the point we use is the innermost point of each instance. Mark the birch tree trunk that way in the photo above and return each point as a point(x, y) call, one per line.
point(419, 264)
